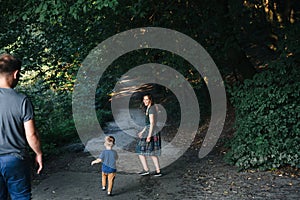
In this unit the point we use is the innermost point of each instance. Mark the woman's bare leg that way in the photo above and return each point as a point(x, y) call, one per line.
point(156, 163)
point(144, 162)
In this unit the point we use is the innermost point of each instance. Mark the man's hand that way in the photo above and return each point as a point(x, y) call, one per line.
point(39, 161)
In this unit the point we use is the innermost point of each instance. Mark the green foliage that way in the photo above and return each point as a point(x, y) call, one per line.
point(267, 115)
point(53, 115)
point(104, 116)
point(54, 11)
point(53, 38)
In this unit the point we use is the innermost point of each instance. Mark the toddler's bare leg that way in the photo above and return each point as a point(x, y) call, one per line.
point(104, 176)
point(111, 178)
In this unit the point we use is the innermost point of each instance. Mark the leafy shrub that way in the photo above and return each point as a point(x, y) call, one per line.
point(53, 117)
point(104, 116)
point(267, 118)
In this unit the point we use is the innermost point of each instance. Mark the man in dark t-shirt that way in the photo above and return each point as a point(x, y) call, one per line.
point(17, 130)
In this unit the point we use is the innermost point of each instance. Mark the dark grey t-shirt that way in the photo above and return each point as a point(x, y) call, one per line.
point(15, 109)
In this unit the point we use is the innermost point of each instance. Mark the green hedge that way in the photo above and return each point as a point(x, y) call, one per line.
point(267, 118)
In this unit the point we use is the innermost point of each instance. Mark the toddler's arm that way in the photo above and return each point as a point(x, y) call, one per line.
point(98, 160)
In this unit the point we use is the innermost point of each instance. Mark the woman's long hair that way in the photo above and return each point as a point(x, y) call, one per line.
point(151, 101)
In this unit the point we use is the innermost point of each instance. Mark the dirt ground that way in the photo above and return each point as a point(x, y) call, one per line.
point(70, 176)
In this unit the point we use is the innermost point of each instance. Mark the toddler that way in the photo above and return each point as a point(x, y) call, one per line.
point(108, 158)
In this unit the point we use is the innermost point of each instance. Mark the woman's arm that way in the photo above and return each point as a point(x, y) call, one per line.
point(151, 117)
point(140, 134)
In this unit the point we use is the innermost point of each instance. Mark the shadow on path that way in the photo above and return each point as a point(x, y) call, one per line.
point(72, 177)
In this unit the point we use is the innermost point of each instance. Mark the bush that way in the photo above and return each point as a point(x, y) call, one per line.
point(267, 118)
point(53, 117)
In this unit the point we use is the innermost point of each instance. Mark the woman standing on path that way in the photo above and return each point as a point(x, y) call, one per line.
point(149, 143)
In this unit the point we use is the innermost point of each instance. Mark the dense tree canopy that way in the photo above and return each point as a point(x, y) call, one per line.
point(255, 45)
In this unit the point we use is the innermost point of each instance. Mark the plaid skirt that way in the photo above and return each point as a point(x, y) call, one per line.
point(152, 148)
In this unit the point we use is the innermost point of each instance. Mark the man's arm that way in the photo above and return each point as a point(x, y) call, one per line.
point(33, 140)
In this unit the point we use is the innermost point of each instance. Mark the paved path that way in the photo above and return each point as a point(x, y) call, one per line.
point(188, 178)
point(71, 177)
point(125, 143)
